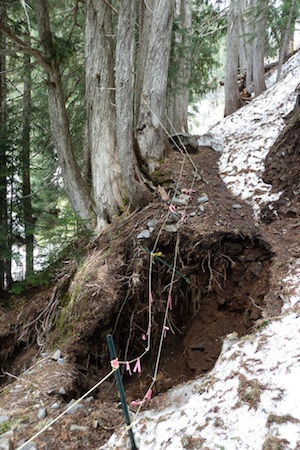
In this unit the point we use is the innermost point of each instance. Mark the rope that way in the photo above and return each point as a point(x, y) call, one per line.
point(66, 411)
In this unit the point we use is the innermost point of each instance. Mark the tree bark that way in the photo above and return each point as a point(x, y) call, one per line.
point(232, 95)
point(260, 27)
point(74, 184)
point(284, 48)
point(100, 105)
point(178, 96)
point(26, 184)
point(5, 238)
point(125, 54)
point(145, 14)
point(150, 133)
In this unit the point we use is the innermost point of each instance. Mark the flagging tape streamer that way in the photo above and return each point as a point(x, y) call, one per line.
point(65, 411)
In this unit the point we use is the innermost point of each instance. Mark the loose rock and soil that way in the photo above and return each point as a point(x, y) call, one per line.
point(228, 278)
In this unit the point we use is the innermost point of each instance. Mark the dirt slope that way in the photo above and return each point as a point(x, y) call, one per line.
point(228, 276)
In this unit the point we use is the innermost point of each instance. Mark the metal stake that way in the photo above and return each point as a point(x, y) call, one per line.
point(113, 356)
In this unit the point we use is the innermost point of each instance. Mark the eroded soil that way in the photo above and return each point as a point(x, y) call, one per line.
point(229, 279)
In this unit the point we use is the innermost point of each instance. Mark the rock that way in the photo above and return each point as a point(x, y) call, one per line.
point(62, 391)
point(182, 201)
point(74, 427)
point(61, 360)
point(208, 140)
point(55, 405)
point(145, 234)
point(56, 355)
point(202, 199)
point(236, 206)
point(89, 399)
point(201, 207)
point(74, 408)
point(178, 140)
point(5, 444)
point(4, 419)
point(29, 446)
point(193, 214)
point(171, 228)
point(42, 413)
point(152, 223)
point(95, 423)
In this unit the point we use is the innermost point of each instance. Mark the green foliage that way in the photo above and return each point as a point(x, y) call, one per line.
point(202, 44)
point(278, 18)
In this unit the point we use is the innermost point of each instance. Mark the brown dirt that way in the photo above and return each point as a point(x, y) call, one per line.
point(229, 278)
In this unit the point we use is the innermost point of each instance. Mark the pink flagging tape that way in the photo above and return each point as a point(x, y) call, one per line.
point(172, 208)
point(170, 303)
point(137, 367)
point(151, 297)
point(115, 364)
point(128, 368)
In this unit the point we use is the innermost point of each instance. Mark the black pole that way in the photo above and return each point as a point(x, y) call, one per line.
point(113, 356)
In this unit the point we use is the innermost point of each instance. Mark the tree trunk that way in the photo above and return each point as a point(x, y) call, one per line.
point(145, 13)
point(26, 185)
point(74, 184)
point(125, 54)
point(100, 105)
point(232, 95)
point(5, 248)
point(284, 48)
point(178, 96)
point(260, 28)
point(150, 133)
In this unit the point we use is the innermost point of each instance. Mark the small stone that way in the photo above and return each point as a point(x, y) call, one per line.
point(61, 360)
point(42, 413)
point(4, 419)
point(145, 234)
point(55, 405)
point(180, 201)
point(74, 408)
point(89, 399)
point(237, 206)
point(74, 427)
point(29, 446)
point(62, 391)
point(56, 355)
point(152, 223)
point(193, 214)
point(171, 228)
point(202, 199)
point(95, 423)
point(201, 207)
point(5, 444)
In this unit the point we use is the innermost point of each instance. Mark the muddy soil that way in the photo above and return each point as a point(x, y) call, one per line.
point(228, 277)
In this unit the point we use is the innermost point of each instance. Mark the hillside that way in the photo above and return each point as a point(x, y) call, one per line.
point(217, 250)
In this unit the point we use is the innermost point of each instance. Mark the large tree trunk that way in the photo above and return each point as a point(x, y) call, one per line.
point(260, 27)
point(232, 95)
point(125, 54)
point(178, 95)
point(145, 14)
point(5, 238)
point(74, 184)
point(150, 133)
point(26, 185)
point(286, 37)
point(100, 104)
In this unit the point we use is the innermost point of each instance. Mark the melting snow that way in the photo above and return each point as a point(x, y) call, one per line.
point(251, 399)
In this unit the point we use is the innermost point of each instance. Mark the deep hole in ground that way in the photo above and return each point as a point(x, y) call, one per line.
point(219, 288)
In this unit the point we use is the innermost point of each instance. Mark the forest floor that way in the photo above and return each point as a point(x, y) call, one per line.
point(230, 268)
